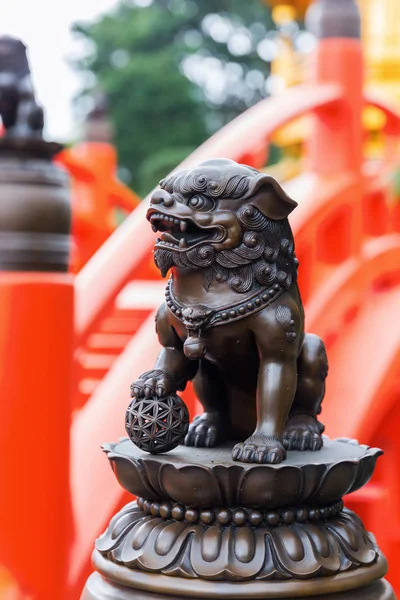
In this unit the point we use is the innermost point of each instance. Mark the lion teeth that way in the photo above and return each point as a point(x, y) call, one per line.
point(183, 226)
point(182, 243)
point(154, 228)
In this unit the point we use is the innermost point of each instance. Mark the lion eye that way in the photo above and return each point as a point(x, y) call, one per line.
point(201, 203)
point(195, 202)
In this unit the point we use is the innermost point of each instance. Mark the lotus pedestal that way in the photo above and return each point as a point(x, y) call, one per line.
point(204, 526)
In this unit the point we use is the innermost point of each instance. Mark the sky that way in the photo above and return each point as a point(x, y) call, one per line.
point(44, 26)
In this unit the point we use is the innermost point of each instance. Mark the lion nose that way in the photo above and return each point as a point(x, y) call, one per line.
point(162, 197)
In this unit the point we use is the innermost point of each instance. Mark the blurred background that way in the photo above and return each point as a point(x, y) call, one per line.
point(132, 89)
point(158, 61)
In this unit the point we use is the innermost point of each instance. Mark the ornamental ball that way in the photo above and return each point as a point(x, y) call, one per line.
point(157, 425)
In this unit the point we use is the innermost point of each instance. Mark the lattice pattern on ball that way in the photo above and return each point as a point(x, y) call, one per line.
point(157, 424)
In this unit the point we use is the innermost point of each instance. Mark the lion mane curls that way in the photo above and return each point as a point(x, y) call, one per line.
point(266, 255)
point(228, 186)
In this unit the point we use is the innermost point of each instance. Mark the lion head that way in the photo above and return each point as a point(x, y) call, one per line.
point(229, 219)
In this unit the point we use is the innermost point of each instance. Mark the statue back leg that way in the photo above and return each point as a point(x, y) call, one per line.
point(211, 427)
point(303, 430)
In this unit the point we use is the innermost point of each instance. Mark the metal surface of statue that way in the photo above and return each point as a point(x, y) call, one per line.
point(233, 320)
point(225, 515)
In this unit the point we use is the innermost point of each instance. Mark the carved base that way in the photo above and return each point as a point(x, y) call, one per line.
point(168, 556)
point(207, 528)
point(229, 552)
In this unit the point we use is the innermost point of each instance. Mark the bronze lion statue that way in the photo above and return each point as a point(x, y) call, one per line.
point(233, 320)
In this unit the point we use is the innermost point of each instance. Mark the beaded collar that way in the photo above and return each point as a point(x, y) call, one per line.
point(198, 317)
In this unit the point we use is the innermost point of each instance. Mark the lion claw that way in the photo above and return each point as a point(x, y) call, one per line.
point(151, 385)
point(303, 432)
point(260, 449)
point(204, 432)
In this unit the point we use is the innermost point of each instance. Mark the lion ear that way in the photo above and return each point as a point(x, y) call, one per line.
point(271, 200)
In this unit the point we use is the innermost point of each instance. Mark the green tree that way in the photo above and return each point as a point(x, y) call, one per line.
point(175, 71)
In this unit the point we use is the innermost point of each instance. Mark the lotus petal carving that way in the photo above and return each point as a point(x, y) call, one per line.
point(207, 478)
point(300, 551)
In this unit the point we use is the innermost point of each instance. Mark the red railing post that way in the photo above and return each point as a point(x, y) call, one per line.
point(96, 190)
point(335, 145)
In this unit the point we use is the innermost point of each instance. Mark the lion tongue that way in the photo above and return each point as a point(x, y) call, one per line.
point(167, 237)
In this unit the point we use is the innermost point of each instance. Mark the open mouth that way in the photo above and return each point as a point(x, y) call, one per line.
point(181, 233)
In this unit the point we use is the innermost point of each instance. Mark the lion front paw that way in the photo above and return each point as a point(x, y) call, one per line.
point(260, 448)
point(154, 383)
point(206, 431)
point(303, 432)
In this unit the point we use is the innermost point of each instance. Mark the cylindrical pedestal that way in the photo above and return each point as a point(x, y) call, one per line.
point(98, 588)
